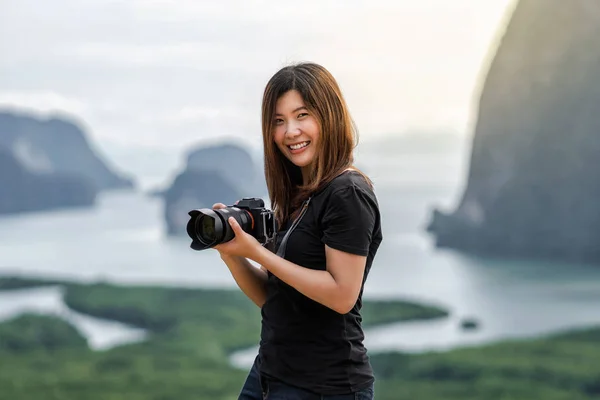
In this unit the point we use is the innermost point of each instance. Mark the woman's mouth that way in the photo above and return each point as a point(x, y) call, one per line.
point(298, 147)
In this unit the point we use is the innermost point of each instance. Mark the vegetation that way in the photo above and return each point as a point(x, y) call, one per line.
point(561, 367)
point(193, 331)
point(32, 332)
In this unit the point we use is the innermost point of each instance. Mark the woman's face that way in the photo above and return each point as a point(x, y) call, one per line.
point(297, 131)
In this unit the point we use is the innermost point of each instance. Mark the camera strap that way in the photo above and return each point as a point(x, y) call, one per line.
point(282, 246)
point(281, 249)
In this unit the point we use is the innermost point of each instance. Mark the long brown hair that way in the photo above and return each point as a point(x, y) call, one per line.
point(338, 136)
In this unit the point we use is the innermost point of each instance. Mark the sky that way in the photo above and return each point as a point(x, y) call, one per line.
point(166, 74)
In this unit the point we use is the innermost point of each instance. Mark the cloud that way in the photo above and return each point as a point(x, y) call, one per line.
point(43, 102)
point(194, 114)
point(237, 11)
point(208, 56)
point(152, 70)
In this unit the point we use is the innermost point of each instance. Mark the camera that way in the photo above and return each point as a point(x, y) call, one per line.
point(208, 227)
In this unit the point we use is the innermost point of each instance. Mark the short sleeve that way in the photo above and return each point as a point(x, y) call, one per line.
point(349, 220)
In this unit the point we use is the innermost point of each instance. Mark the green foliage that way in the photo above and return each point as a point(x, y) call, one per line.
point(384, 311)
point(560, 367)
point(30, 332)
point(193, 331)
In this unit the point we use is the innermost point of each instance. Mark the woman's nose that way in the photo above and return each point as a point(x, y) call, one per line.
point(293, 129)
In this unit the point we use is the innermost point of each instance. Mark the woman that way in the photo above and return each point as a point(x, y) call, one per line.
point(310, 283)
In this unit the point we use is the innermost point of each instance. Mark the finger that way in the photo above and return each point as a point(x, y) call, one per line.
point(216, 206)
point(234, 225)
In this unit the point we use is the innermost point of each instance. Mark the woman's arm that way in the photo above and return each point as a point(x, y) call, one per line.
point(347, 222)
point(347, 228)
point(252, 280)
point(337, 287)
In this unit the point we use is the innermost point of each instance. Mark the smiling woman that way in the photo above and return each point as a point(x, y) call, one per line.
point(307, 128)
point(297, 131)
point(310, 283)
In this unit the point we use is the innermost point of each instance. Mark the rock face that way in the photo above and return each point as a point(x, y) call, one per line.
point(214, 174)
point(24, 191)
point(533, 184)
point(48, 164)
point(56, 146)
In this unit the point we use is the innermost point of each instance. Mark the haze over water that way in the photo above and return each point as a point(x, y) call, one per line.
point(122, 241)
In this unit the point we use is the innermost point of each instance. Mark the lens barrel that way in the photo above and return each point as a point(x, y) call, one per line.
point(208, 228)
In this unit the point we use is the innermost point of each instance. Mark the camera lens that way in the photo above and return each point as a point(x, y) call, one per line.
point(206, 229)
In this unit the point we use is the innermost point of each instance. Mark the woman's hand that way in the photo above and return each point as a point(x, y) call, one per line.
point(242, 245)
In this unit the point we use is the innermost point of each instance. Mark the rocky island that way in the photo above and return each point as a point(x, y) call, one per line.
point(533, 182)
point(48, 163)
point(215, 173)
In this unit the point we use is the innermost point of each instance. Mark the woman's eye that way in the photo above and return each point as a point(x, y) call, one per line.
point(278, 121)
point(302, 115)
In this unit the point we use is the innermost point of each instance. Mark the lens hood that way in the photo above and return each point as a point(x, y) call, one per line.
point(206, 228)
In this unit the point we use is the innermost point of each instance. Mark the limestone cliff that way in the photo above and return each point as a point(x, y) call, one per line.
point(23, 191)
point(533, 184)
point(56, 145)
point(216, 173)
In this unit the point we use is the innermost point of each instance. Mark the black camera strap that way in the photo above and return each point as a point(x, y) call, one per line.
point(281, 249)
point(282, 246)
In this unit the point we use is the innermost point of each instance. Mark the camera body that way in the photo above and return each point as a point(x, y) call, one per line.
point(264, 226)
point(208, 228)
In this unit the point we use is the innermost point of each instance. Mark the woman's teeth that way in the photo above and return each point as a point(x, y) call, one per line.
point(298, 146)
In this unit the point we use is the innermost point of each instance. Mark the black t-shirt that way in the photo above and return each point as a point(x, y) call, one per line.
point(304, 343)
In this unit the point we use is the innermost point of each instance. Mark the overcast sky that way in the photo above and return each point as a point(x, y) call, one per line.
point(168, 73)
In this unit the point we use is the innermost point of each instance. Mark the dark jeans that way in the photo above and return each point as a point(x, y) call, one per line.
point(259, 388)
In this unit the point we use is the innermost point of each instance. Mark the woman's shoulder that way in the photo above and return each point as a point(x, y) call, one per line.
point(348, 194)
point(347, 183)
point(351, 178)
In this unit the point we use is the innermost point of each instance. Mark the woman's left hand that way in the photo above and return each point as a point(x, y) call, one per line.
point(242, 245)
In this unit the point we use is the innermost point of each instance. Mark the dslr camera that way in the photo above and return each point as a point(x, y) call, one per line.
point(208, 227)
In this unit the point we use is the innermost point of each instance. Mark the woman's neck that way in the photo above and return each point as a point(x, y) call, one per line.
point(305, 174)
